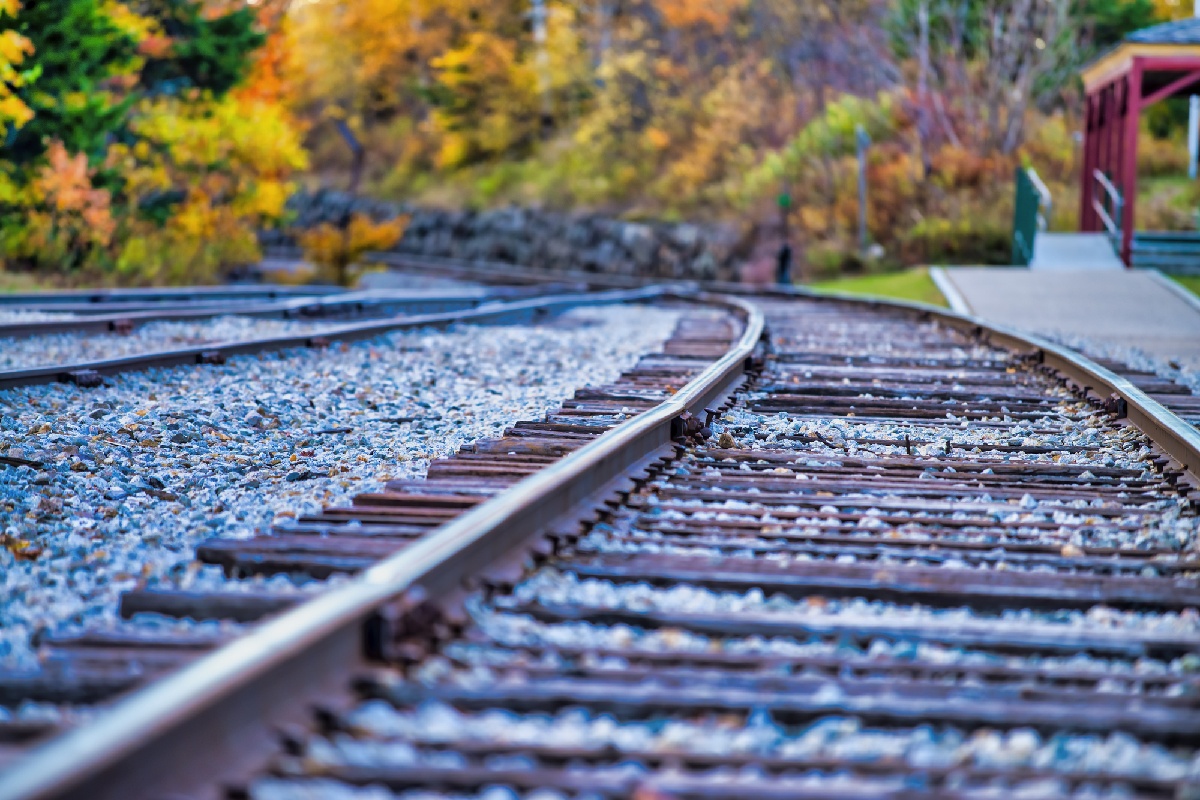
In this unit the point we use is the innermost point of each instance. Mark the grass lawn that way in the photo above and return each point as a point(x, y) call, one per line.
point(910, 284)
point(1189, 282)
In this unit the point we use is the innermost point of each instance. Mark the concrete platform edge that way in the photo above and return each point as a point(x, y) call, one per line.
point(949, 291)
point(1171, 286)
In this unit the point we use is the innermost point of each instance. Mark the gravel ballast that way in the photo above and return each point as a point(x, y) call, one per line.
point(140, 470)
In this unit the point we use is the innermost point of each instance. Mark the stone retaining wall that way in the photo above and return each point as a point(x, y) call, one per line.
point(538, 239)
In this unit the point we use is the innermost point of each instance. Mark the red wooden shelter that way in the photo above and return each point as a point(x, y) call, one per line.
point(1149, 66)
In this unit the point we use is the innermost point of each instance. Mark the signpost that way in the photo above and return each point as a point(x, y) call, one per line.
point(863, 141)
point(1194, 121)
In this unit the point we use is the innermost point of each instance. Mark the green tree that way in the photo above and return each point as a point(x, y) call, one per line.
point(77, 48)
point(212, 54)
point(1107, 22)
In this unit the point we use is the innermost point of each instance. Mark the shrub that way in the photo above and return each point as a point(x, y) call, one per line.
point(334, 249)
point(825, 260)
point(978, 240)
point(1161, 157)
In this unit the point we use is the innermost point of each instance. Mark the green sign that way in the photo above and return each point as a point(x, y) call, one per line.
point(785, 200)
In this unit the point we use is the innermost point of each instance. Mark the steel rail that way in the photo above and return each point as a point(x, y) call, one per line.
point(145, 744)
point(209, 293)
point(350, 303)
point(497, 312)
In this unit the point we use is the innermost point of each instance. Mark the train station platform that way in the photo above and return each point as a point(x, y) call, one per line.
point(1074, 251)
point(1118, 309)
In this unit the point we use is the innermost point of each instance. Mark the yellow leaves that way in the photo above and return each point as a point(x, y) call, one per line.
point(266, 199)
point(334, 249)
point(455, 150)
point(367, 235)
point(257, 137)
point(686, 13)
point(324, 245)
point(11, 192)
point(213, 170)
point(139, 28)
point(658, 139)
point(23, 549)
point(14, 49)
point(494, 98)
point(14, 110)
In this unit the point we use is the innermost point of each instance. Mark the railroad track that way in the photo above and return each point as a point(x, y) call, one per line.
point(470, 309)
point(345, 305)
point(904, 555)
point(82, 670)
point(1174, 394)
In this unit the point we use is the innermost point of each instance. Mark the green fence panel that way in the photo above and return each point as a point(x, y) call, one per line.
point(1025, 219)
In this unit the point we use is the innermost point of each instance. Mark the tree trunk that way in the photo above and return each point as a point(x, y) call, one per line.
point(359, 155)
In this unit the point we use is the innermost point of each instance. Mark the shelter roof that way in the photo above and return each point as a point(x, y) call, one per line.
point(1183, 31)
point(1166, 51)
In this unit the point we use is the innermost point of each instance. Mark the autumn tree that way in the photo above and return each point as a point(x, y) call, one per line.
point(15, 49)
point(136, 159)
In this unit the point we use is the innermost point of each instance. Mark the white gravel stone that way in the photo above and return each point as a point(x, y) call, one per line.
point(138, 471)
point(392, 736)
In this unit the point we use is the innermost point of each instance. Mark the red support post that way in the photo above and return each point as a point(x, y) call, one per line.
point(1088, 189)
point(1120, 113)
point(1129, 147)
point(1105, 131)
point(1115, 133)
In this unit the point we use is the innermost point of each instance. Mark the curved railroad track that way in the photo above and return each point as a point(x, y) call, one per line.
point(32, 320)
point(418, 312)
point(816, 548)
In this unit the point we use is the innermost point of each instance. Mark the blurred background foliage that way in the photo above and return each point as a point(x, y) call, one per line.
point(147, 140)
point(144, 141)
